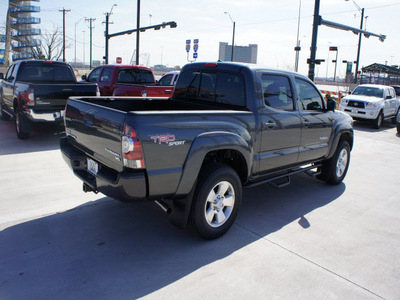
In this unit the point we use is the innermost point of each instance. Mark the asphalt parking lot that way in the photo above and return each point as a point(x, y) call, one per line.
point(306, 241)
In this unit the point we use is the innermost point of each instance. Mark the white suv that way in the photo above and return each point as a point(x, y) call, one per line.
point(371, 102)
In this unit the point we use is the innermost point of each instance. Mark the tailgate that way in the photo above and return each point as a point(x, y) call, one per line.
point(96, 130)
point(56, 95)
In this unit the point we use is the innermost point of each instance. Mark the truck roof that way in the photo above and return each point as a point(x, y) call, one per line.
point(236, 65)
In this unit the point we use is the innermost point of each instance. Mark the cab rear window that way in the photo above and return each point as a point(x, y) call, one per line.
point(217, 87)
point(46, 72)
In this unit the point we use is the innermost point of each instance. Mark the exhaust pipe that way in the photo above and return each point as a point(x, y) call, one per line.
point(164, 206)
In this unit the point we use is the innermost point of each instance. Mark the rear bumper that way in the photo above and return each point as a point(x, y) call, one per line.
point(125, 185)
point(56, 116)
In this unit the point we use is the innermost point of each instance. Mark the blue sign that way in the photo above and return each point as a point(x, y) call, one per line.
point(195, 47)
point(187, 42)
point(195, 55)
point(2, 38)
point(196, 41)
point(2, 61)
point(188, 48)
point(2, 51)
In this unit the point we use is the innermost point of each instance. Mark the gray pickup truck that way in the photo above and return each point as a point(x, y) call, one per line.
point(227, 126)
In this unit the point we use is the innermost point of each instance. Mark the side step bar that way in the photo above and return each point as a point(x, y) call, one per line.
point(283, 180)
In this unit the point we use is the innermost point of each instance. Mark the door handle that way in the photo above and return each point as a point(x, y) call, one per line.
point(270, 124)
point(306, 123)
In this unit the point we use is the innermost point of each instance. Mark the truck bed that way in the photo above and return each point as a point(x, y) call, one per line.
point(139, 104)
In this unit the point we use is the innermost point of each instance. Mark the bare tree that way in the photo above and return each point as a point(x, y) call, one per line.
point(49, 46)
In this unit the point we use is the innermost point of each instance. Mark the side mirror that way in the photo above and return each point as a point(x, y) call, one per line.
point(331, 105)
point(84, 77)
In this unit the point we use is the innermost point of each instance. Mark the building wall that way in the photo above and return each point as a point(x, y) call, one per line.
point(245, 54)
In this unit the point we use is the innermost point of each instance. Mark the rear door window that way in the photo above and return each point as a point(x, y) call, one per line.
point(277, 92)
point(106, 75)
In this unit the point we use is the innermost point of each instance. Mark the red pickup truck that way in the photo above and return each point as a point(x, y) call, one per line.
point(127, 80)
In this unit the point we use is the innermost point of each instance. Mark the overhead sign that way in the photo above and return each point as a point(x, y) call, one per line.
point(119, 60)
point(188, 46)
point(195, 45)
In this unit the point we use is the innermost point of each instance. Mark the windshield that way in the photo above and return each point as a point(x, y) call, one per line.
point(46, 73)
point(368, 91)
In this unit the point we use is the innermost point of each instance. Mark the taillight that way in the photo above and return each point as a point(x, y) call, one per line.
point(28, 97)
point(132, 149)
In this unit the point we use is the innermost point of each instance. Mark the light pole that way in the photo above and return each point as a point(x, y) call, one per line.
point(75, 39)
point(83, 48)
point(361, 10)
point(106, 33)
point(334, 48)
point(297, 48)
point(233, 35)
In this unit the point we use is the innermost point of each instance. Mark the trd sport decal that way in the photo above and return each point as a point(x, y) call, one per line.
point(168, 139)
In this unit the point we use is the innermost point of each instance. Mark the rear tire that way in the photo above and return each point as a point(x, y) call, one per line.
point(20, 125)
point(335, 169)
point(216, 201)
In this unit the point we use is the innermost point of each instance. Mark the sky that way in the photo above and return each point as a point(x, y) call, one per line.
point(273, 25)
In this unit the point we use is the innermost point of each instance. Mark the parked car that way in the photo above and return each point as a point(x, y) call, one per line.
point(127, 80)
point(371, 102)
point(227, 126)
point(36, 91)
point(169, 78)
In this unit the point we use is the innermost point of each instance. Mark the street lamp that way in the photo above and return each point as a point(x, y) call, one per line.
point(361, 10)
point(334, 48)
point(297, 48)
point(83, 48)
point(233, 35)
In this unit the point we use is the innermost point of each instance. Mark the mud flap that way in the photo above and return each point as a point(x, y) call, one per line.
point(179, 215)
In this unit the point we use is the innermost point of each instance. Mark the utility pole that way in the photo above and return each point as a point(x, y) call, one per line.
point(312, 60)
point(137, 32)
point(64, 11)
point(108, 14)
point(91, 20)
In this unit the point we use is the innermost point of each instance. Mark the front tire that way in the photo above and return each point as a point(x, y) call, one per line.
point(3, 115)
point(216, 201)
point(335, 169)
point(378, 121)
